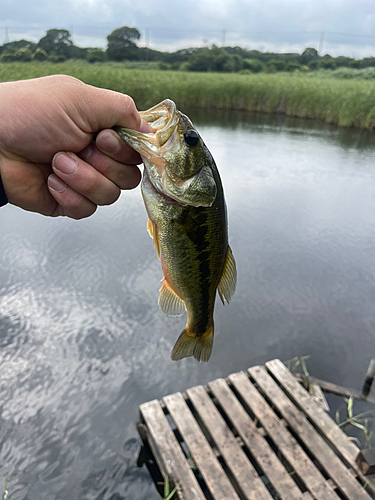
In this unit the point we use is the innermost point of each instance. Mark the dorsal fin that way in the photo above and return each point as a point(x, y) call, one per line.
point(228, 280)
point(169, 302)
point(152, 230)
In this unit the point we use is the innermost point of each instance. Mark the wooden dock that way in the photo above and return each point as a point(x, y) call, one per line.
point(256, 435)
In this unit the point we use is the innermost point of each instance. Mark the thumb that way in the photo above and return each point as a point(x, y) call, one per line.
point(101, 108)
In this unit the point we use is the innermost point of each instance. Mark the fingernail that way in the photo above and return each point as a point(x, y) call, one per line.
point(109, 142)
point(65, 163)
point(145, 127)
point(56, 184)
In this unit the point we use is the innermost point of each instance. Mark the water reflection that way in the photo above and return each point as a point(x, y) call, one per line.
point(82, 342)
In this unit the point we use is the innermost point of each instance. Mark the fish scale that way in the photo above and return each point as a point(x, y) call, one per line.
point(184, 199)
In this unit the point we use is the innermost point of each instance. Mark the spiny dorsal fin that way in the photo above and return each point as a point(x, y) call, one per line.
point(228, 280)
point(152, 230)
point(169, 302)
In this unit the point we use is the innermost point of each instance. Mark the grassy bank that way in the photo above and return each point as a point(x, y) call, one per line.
point(344, 102)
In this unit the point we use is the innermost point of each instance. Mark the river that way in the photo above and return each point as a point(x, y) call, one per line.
point(82, 342)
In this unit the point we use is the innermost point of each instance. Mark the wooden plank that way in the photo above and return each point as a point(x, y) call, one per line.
point(257, 445)
point(168, 453)
point(204, 457)
point(312, 439)
point(307, 496)
point(282, 438)
point(324, 422)
point(240, 468)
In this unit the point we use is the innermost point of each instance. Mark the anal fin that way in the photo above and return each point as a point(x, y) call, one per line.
point(228, 280)
point(169, 302)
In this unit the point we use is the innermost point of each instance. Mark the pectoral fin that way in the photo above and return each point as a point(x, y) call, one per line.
point(152, 230)
point(169, 302)
point(228, 280)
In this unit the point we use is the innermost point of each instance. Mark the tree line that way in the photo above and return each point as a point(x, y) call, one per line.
point(57, 46)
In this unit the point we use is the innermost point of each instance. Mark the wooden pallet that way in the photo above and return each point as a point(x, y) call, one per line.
point(254, 436)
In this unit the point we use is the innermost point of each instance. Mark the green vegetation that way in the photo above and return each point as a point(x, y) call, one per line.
point(362, 421)
point(6, 494)
point(346, 102)
point(57, 46)
point(168, 495)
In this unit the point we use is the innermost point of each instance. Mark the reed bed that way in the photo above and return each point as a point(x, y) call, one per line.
point(345, 102)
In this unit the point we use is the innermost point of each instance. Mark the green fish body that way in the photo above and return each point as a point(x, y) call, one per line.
point(184, 199)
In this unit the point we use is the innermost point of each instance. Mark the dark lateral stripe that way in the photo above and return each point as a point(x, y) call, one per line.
point(203, 249)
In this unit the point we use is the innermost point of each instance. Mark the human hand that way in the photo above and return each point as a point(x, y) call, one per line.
point(49, 162)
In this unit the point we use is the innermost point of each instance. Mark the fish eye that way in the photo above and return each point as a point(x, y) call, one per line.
point(191, 137)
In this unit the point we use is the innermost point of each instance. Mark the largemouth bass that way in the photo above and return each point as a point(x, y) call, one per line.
point(184, 199)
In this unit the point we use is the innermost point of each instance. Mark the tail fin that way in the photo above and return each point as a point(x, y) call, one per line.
point(190, 344)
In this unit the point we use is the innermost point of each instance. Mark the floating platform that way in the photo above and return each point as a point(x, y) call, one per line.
point(256, 435)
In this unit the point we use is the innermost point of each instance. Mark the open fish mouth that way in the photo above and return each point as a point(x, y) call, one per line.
point(163, 119)
point(173, 156)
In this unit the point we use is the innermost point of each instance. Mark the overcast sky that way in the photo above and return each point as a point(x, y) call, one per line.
point(273, 25)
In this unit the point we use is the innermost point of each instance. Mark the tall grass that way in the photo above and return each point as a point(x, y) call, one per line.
point(345, 73)
point(346, 102)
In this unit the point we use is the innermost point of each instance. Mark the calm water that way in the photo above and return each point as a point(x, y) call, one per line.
point(82, 342)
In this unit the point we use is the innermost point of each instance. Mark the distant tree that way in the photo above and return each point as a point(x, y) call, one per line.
point(253, 65)
point(40, 55)
point(308, 55)
point(147, 54)
point(18, 44)
point(96, 55)
point(57, 42)
point(237, 62)
point(276, 65)
point(368, 62)
point(121, 44)
point(8, 55)
point(293, 66)
point(78, 52)
point(314, 64)
point(56, 59)
point(24, 54)
point(328, 64)
point(209, 59)
point(355, 64)
point(343, 61)
point(178, 56)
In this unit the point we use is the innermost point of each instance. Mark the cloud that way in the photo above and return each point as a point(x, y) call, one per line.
point(280, 25)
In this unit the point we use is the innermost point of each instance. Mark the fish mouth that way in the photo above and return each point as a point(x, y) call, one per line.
point(163, 119)
point(157, 149)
